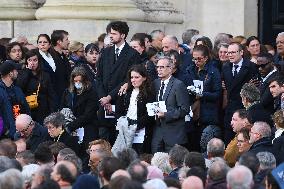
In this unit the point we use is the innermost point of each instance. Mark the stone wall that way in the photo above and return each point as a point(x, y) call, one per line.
point(85, 20)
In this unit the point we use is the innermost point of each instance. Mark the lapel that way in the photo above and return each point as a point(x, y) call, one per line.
point(242, 73)
point(228, 73)
point(168, 89)
point(121, 58)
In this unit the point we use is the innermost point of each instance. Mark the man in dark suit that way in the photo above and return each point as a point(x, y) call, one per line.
point(113, 66)
point(235, 74)
point(267, 72)
point(170, 125)
point(276, 87)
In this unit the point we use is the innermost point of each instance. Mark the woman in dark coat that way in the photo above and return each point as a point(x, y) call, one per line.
point(208, 103)
point(92, 55)
point(82, 99)
point(55, 126)
point(133, 105)
point(31, 79)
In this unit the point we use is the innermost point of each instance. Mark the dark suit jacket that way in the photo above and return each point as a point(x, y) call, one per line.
point(234, 85)
point(59, 78)
point(112, 74)
point(257, 113)
point(266, 98)
point(176, 97)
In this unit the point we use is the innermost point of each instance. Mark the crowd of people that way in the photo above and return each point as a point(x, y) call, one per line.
point(151, 113)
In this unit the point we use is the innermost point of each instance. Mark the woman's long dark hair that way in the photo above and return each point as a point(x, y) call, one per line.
point(32, 53)
point(145, 89)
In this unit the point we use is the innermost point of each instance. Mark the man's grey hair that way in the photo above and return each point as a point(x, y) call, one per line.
point(262, 128)
point(154, 34)
point(239, 177)
point(172, 38)
point(12, 178)
point(188, 34)
point(177, 155)
point(267, 160)
point(218, 170)
point(216, 147)
point(138, 171)
point(66, 151)
point(168, 58)
point(250, 92)
point(28, 171)
point(73, 158)
point(7, 163)
point(161, 160)
point(280, 34)
point(57, 119)
point(155, 184)
point(221, 38)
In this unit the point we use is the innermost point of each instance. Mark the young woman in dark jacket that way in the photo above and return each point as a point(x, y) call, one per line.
point(31, 79)
point(133, 105)
point(82, 99)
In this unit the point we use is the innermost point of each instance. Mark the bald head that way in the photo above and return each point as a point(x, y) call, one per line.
point(169, 42)
point(64, 172)
point(192, 182)
point(120, 172)
point(24, 123)
point(70, 166)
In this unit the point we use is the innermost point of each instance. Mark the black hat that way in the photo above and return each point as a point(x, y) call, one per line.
point(7, 66)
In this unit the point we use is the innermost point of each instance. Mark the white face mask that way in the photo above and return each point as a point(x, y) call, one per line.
point(78, 85)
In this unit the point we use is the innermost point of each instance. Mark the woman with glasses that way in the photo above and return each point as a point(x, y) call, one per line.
point(55, 124)
point(32, 80)
point(81, 98)
point(206, 105)
point(243, 140)
point(133, 105)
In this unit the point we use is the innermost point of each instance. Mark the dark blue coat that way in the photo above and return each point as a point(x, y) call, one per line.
point(6, 111)
point(212, 89)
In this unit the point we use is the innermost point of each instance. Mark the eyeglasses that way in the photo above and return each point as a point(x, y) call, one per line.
point(162, 67)
point(27, 128)
point(197, 59)
point(280, 42)
point(232, 52)
point(89, 151)
point(241, 141)
point(50, 128)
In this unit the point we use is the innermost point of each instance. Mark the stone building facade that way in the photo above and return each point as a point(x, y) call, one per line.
point(86, 19)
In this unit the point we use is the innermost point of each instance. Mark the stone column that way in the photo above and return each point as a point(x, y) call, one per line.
point(17, 9)
point(90, 9)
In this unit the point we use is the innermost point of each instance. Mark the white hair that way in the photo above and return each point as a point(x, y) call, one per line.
point(155, 184)
point(239, 177)
point(280, 34)
point(28, 171)
point(161, 160)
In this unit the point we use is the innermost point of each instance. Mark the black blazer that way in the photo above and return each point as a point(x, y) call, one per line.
point(69, 141)
point(84, 108)
point(59, 78)
point(112, 74)
point(143, 120)
point(266, 98)
point(46, 96)
point(257, 113)
point(234, 85)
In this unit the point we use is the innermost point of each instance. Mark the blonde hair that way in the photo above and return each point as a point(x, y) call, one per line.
point(75, 46)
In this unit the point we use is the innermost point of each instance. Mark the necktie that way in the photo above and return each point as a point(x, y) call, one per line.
point(235, 70)
point(161, 91)
point(116, 53)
